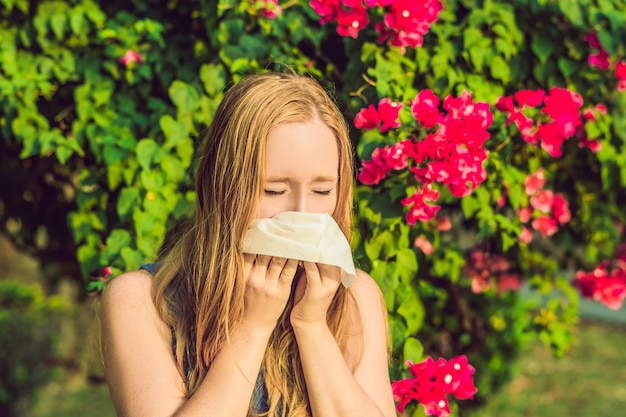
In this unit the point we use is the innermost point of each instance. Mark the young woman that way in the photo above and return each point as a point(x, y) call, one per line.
point(216, 332)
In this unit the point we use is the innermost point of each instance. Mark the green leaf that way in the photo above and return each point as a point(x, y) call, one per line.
point(411, 309)
point(571, 10)
point(500, 69)
point(117, 240)
point(185, 97)
point(413, 350)
point(173, 167)
point(146, 149)
point(213, 77)
point(132, 258)
point(567, 67)
point(174, 130)
point(542, 46)
point(57, 22)
point(127, 200)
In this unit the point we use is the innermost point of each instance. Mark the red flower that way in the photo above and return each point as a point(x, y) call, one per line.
point(542, 201)
point(425, 108)
point(432, 382)
point(367, 118)
point(535, 182)
point(424, 245)
point(350, 22)
point(388, 112)
point(620, 74)
point(560, 209)
point(526, 235)
point(507, 282)
point(131, 57)
point(545, 224)
point(530, 98)
point(420, 209)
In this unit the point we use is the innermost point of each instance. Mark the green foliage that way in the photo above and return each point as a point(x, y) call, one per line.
point(29, 327)
point(104, 150)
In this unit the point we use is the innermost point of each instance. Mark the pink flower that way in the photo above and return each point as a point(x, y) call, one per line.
point(509, 282)
point(326, 9)
point(524, 213)
point(620, 74)
point(600, 60)
point(505, 104)
point(367, 118)
point(535, 182)
point(443, 223)
point(420, 209)
point(432, 382)
point(107, 271)
point(425, 108)
point(609, 289)
point(350, 22)
point(545, 224)
point(560, 209)
point(131, 57)
point(269, 8)
point(542, 201)
point(424, 245)
point(388, 112)
point(530, 98)
point(526, 235)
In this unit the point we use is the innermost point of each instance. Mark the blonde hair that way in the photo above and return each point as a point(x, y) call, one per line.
point(199, 287)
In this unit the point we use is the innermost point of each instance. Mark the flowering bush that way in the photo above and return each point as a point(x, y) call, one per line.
point(490, 137)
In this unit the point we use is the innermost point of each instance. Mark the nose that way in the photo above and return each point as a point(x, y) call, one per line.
point(299, 202)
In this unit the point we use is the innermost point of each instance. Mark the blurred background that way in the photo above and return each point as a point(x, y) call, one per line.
point(507, 244)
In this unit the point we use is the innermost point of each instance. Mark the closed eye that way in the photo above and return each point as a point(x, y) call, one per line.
point(274, 192)
point(323, 192)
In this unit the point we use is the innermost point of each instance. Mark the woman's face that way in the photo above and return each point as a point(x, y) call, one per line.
point(302, 170)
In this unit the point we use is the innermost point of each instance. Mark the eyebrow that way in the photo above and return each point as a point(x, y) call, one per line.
point(316, 179)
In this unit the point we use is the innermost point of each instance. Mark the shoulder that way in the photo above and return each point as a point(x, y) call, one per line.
point(128, 288)
point(365, 289)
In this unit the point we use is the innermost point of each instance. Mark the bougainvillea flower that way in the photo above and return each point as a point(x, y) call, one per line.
point(425, 108)
point(505, 104)
point(620, 74)
point(424, 245)
point(420, 209)
point(600, 60)
point(545, 224)
point(269, 8)
point(367, 118)
point(326, 9)
point(524, 213)
point(388, 113)
point(542, 201)
point(535, 182)
point(600, 285)
point(560, 209)
point(530, 98)
point(130, 57)
point(508, 282)
point(526, 235)
point(432, 382)
point(350, 22)
point(443, 223)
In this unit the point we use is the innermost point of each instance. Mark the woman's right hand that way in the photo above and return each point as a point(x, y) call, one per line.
point(268, 286)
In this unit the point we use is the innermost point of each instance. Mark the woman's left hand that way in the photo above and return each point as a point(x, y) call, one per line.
point(313, 294)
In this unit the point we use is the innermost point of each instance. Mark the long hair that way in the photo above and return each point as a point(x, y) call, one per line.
point(199, 287)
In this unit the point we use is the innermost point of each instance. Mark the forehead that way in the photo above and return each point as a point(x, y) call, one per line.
point(307, 149)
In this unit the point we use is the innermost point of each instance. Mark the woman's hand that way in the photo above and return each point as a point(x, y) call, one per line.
point(313, 294)
point(268, 286)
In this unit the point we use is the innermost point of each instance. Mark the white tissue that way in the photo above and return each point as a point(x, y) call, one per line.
point(311, 237)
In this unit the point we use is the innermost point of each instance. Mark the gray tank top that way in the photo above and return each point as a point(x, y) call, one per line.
point(259, 395)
